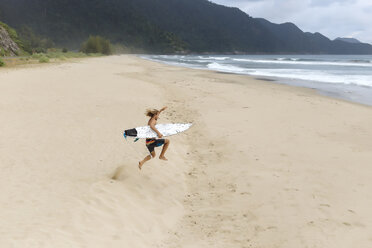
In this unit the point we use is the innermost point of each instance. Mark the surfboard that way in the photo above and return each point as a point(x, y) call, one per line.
point(146, 132)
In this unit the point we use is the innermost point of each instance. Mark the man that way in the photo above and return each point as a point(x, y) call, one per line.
point(153, 142)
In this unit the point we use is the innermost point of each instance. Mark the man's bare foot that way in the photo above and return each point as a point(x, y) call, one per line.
point(163, 158)
point(140, 165)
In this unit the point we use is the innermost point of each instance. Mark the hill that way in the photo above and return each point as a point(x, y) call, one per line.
point(69, 22)
point(294, 40)
point(9, 42)
point(166, 26)
point(350, 40)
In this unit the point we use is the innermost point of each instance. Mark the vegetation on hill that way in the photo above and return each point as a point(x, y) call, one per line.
point(291, 39)
point(34, 43)
point(34, 49)
point(166, 26)
point(26, 40)
point(11, 40)
point(97, 44)
point(68, 23)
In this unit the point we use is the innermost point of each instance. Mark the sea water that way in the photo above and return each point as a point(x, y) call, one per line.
point(343, 76)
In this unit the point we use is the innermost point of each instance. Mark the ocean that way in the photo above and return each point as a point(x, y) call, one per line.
point(348, 77)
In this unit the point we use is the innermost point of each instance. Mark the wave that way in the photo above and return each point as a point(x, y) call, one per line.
point(287, 59)
point(361, 61)
point(226, 68)
point(317, 76)
point(307, 75)
point(341, 75)
point(280, 60)
point(213, 58)
point(305, 62)
point(157, 58)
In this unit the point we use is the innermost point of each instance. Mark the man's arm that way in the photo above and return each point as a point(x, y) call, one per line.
point(152, 126)
point(164, 108)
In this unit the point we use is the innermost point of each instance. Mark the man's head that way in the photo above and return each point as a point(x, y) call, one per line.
point(152, 113)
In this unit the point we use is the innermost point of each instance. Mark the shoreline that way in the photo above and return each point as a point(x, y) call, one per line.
point(264, 164)
point(335, 90)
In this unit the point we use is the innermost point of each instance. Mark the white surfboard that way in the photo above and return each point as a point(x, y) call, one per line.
point(165, 129)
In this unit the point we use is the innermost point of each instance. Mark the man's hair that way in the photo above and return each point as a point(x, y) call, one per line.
point(151, 112)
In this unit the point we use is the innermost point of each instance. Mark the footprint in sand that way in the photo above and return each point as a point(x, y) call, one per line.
point(118, 174)
point(231, 187)
point(325, 205)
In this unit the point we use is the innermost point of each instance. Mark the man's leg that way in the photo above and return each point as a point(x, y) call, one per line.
point(147, 158)
point(165, 147)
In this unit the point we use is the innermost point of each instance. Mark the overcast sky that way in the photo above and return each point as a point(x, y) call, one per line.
point(333, 18)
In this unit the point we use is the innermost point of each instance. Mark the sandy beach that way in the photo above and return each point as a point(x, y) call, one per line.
point(264, 165)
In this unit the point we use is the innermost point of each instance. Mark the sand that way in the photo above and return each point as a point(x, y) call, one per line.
point(265, 165)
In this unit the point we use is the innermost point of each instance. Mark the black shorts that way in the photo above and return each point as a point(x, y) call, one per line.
point(152, 143)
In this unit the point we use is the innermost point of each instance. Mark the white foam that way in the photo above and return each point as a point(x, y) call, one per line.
point(287, 59)
point(213, 58)
point(226, 68)
point(337, 76)
point(318, 76)
point(299, 62)
point(308, 75)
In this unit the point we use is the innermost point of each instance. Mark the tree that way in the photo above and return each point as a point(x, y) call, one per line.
point(97, 44)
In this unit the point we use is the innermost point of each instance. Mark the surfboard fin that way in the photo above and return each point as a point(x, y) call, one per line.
point(136, 140)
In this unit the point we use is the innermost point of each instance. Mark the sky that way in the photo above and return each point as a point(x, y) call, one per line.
point(333, 18)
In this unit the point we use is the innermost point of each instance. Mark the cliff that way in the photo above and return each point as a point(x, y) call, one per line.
point(8, 47)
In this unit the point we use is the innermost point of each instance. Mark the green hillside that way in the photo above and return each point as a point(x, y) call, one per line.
point(164, 26)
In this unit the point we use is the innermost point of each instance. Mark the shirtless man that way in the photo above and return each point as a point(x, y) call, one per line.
point(153, 142)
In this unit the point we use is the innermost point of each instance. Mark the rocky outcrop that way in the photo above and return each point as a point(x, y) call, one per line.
point(7, 45)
